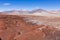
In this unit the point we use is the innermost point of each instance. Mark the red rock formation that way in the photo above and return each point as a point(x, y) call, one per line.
point(13, 27)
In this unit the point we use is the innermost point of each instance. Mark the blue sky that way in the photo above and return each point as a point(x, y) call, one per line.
point(6, 5)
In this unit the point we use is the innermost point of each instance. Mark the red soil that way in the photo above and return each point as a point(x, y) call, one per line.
point(14, 27)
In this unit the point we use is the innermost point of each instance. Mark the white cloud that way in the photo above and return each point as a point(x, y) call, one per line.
point(6, 4)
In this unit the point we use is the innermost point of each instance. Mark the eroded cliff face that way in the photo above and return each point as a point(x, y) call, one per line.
point(14, 27)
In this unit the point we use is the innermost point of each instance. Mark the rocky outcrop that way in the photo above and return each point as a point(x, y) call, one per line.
point(14, 27)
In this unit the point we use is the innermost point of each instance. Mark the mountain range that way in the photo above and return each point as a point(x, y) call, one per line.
point(36, 12)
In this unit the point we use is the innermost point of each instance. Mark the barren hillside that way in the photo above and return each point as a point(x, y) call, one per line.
point(19, 27)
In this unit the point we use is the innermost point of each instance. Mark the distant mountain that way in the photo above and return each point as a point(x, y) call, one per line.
point(16, 12)
point(36, 12)
point(24, 12)
point(39, 10)
point(55, 11)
